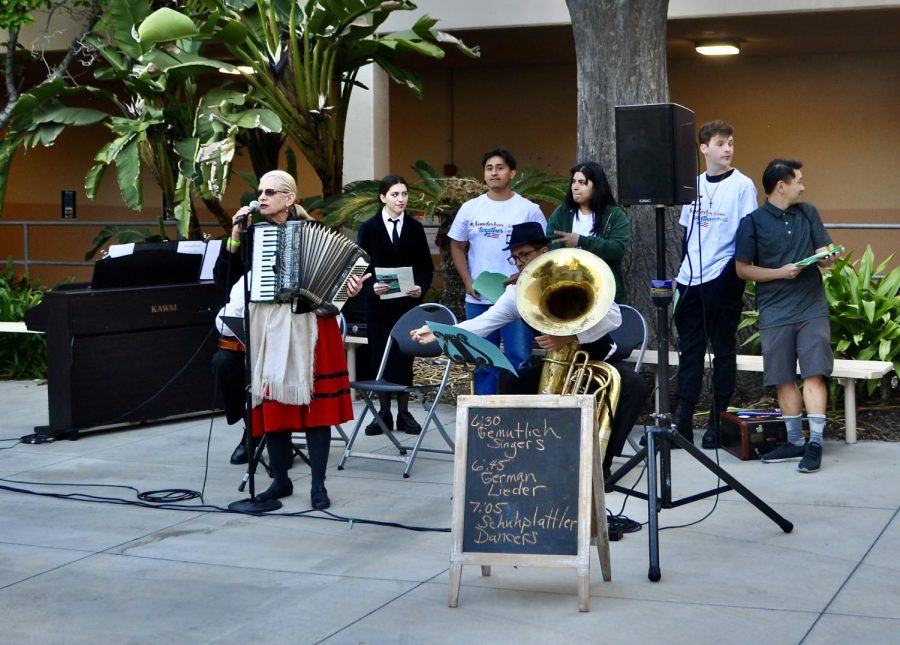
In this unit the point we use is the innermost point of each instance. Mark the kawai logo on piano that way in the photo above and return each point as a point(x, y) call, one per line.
point(163, 309)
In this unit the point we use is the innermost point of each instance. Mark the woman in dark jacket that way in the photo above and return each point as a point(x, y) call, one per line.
point(393, 238)
point(590, 219)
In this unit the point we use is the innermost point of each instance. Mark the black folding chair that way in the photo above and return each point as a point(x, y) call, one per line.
point(631, 335)
point(399, 337)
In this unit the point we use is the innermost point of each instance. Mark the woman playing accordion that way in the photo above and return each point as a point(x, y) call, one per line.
point(299, 375)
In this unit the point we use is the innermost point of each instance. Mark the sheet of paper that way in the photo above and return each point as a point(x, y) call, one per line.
point(209, 259)
point(192, 246)
point(490, 285)
point(120, 250)
point(399, 279)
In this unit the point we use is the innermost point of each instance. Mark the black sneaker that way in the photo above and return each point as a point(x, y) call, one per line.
point(710, 439)
point(812, 458)
point(407, 423)
point(373, 428)
point(784, 452)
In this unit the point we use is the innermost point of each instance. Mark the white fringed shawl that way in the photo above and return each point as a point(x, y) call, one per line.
point(282, 354)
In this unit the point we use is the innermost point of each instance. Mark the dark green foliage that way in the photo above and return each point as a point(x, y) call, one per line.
point(22, 356)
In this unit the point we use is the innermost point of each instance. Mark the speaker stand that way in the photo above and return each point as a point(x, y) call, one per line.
point(665, 435)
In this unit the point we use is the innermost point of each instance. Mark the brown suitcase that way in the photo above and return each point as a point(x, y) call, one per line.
point(749, 438)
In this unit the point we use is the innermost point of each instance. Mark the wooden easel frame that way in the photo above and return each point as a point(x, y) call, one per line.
point(590, 478)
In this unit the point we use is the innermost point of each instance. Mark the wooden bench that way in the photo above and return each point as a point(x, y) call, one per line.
point(847, 372)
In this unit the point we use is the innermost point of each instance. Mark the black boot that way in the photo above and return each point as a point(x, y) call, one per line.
point(239, 456)
point(684, 420)
point(280, 453)
point(318, 443)
point(711, 436)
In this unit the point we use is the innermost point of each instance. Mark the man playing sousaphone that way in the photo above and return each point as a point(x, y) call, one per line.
point(528, 243)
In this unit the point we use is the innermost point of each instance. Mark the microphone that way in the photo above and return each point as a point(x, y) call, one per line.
point(252, 207)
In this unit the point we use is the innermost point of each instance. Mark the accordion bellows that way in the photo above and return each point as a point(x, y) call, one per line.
point(303, 263)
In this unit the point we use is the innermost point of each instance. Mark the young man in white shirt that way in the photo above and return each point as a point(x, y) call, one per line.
point(478, 235)
point(709, 303)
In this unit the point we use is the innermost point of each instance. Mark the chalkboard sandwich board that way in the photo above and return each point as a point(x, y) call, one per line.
point(522, 485)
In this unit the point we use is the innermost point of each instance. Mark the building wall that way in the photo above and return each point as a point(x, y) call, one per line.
point(467, 111)
point(487, 14)
point(835, 113)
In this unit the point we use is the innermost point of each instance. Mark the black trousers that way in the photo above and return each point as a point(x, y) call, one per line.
point(229, 373)
point(632, 394)
point(707, 315)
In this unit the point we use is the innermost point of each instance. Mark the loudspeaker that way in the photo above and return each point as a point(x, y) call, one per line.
point(656, 159)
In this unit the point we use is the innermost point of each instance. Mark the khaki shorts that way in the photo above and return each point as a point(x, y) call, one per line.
point(808, 342)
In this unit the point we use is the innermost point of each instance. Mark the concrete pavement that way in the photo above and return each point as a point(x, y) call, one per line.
point(75, 571)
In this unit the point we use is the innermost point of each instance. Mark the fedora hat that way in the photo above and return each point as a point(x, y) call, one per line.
point(527, 233)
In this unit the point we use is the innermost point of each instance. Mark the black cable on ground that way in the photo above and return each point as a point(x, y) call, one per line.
point(167, 499)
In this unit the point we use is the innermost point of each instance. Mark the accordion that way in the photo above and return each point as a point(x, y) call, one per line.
point(303, 263)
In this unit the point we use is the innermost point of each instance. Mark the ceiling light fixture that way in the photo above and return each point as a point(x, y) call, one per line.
point(718, 47)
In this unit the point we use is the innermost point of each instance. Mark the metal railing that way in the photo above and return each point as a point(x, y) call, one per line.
point(895, 227)
point(27, 262)
point(26, 225)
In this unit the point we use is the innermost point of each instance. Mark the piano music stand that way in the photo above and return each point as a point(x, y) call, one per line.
point(471, 351)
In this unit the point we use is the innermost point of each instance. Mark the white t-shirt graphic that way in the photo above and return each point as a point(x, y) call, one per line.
point(710, 244)
point(486, 225)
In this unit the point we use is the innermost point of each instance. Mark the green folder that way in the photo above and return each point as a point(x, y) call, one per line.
point(490, 285)
point(805, 262)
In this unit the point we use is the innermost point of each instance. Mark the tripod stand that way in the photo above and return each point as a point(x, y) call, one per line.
point(661, 436)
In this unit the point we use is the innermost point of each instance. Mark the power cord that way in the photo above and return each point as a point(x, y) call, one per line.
point(169, 500)
point(17, 440)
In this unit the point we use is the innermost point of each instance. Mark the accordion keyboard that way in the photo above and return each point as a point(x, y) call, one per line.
point(359, 269)
point(303, 263)
point(265, 251)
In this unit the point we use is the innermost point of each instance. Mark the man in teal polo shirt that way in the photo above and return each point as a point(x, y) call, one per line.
point(793, 309)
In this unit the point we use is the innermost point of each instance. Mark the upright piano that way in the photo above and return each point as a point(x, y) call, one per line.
point(127, 355)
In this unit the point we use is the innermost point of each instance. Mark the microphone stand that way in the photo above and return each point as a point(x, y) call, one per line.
point(251, 506)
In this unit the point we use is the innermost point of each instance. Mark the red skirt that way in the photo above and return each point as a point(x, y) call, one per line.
point(331, 402)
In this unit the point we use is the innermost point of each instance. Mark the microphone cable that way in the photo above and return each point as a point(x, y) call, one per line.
point(171, 500)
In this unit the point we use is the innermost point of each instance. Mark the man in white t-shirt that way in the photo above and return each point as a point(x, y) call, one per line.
point(709, 303)
point(478, 236)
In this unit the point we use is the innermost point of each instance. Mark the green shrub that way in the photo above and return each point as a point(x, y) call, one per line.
point(865, 314)
point(22, 356)
point(865, 310)
point(750, 321)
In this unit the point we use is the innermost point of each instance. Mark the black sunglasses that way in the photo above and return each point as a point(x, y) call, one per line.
point(270, 192)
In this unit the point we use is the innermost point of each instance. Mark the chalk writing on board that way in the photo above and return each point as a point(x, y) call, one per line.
point(522, 474)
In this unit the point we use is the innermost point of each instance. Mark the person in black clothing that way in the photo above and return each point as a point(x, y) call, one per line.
point(229, 368)
point(393, 238)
